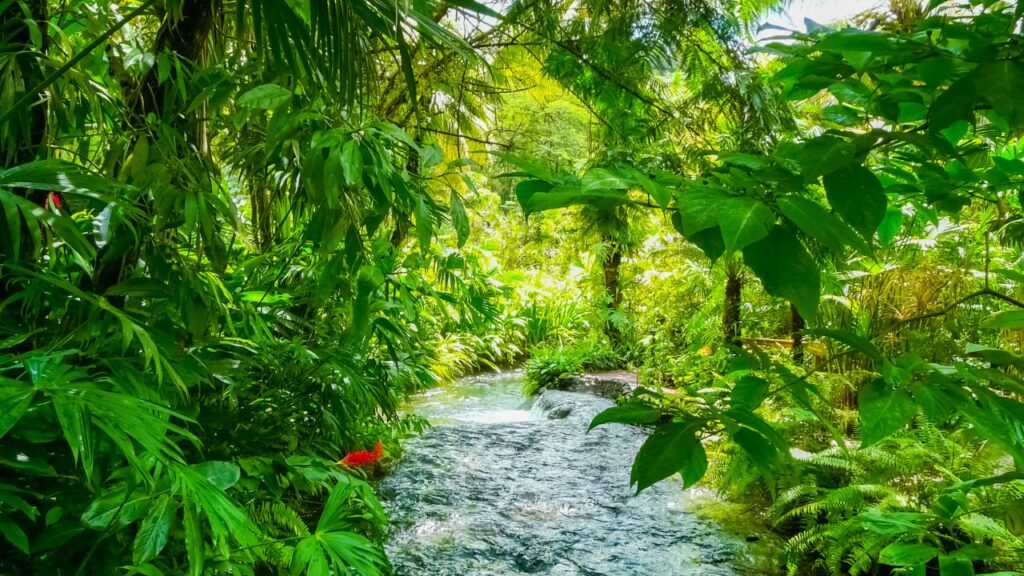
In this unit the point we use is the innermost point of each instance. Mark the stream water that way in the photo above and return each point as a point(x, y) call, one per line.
point(504, 486)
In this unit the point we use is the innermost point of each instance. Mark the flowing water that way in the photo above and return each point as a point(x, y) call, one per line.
point(504, 486)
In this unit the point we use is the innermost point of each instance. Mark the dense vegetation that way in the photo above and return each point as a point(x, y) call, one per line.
point(235, 236)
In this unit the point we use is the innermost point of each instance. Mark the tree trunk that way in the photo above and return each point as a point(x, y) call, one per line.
point(796, 325)
point(612, 265)
point(731, 314)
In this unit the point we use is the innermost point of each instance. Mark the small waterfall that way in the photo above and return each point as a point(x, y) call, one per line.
point(505, 486)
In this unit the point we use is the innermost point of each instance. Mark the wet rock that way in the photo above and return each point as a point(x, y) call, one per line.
point(591, 384)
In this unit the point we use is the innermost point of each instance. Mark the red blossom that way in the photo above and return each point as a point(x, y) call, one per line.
point(53, 201)
point(361, 458)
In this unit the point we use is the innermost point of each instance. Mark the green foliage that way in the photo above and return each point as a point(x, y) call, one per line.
point(549, 366)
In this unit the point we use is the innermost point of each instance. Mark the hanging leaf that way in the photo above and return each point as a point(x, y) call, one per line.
point(858, 197)
point(154, 530)
point(817, 223)
point(883, 409)
point(265, 97)
point(743, 221)
point(14, 534)
point(956, 104)
point(460, 220)
point(786, 271)
point(628, 413)
point(351, 161)
point(748, 393)
point(424, 224)
point(819, 156)
point(1001, 83)
point(698, 208)
point(670, 449)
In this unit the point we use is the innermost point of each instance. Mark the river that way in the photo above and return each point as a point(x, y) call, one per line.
point(507, 486)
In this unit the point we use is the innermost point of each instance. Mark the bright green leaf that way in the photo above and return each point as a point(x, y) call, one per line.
point(628, 413)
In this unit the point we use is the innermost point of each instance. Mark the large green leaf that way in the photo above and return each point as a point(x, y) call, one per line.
point(786, 270)
point(671, 448)
point(1005, 320)
point(605, 179)
point(223, 475)
point(955, 566)
point(628, 413)
point(749, 392)
point(956, 104)
point(819, 156)
point(15, 399)
point(698, 208)
point(564, 196)
point(817, 223)
point(13, 533)
point(743, 221)
point(883, 410)
point(460, 220)
point(194, 547)
point(265, 97)
point(1001, 83)
point(154, 530)
point(858, 197)
point(907, 554)
point(351, 160)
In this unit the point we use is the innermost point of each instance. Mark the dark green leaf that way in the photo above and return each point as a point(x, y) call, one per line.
point(265, 97)
point(14, 534)
point(351, 160)
point(1001, 83)
point(955, 566)
point(749, 392)
point(15, 399)
point(883, 410)
point(817, 223)
point(954, 105)
point(786, 270)
point(858, 197)
point(821, 155)
point(154, 530)
point(672, 448)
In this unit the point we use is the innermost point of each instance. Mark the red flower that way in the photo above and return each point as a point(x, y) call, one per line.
point(52, 201)
point(361, 458)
